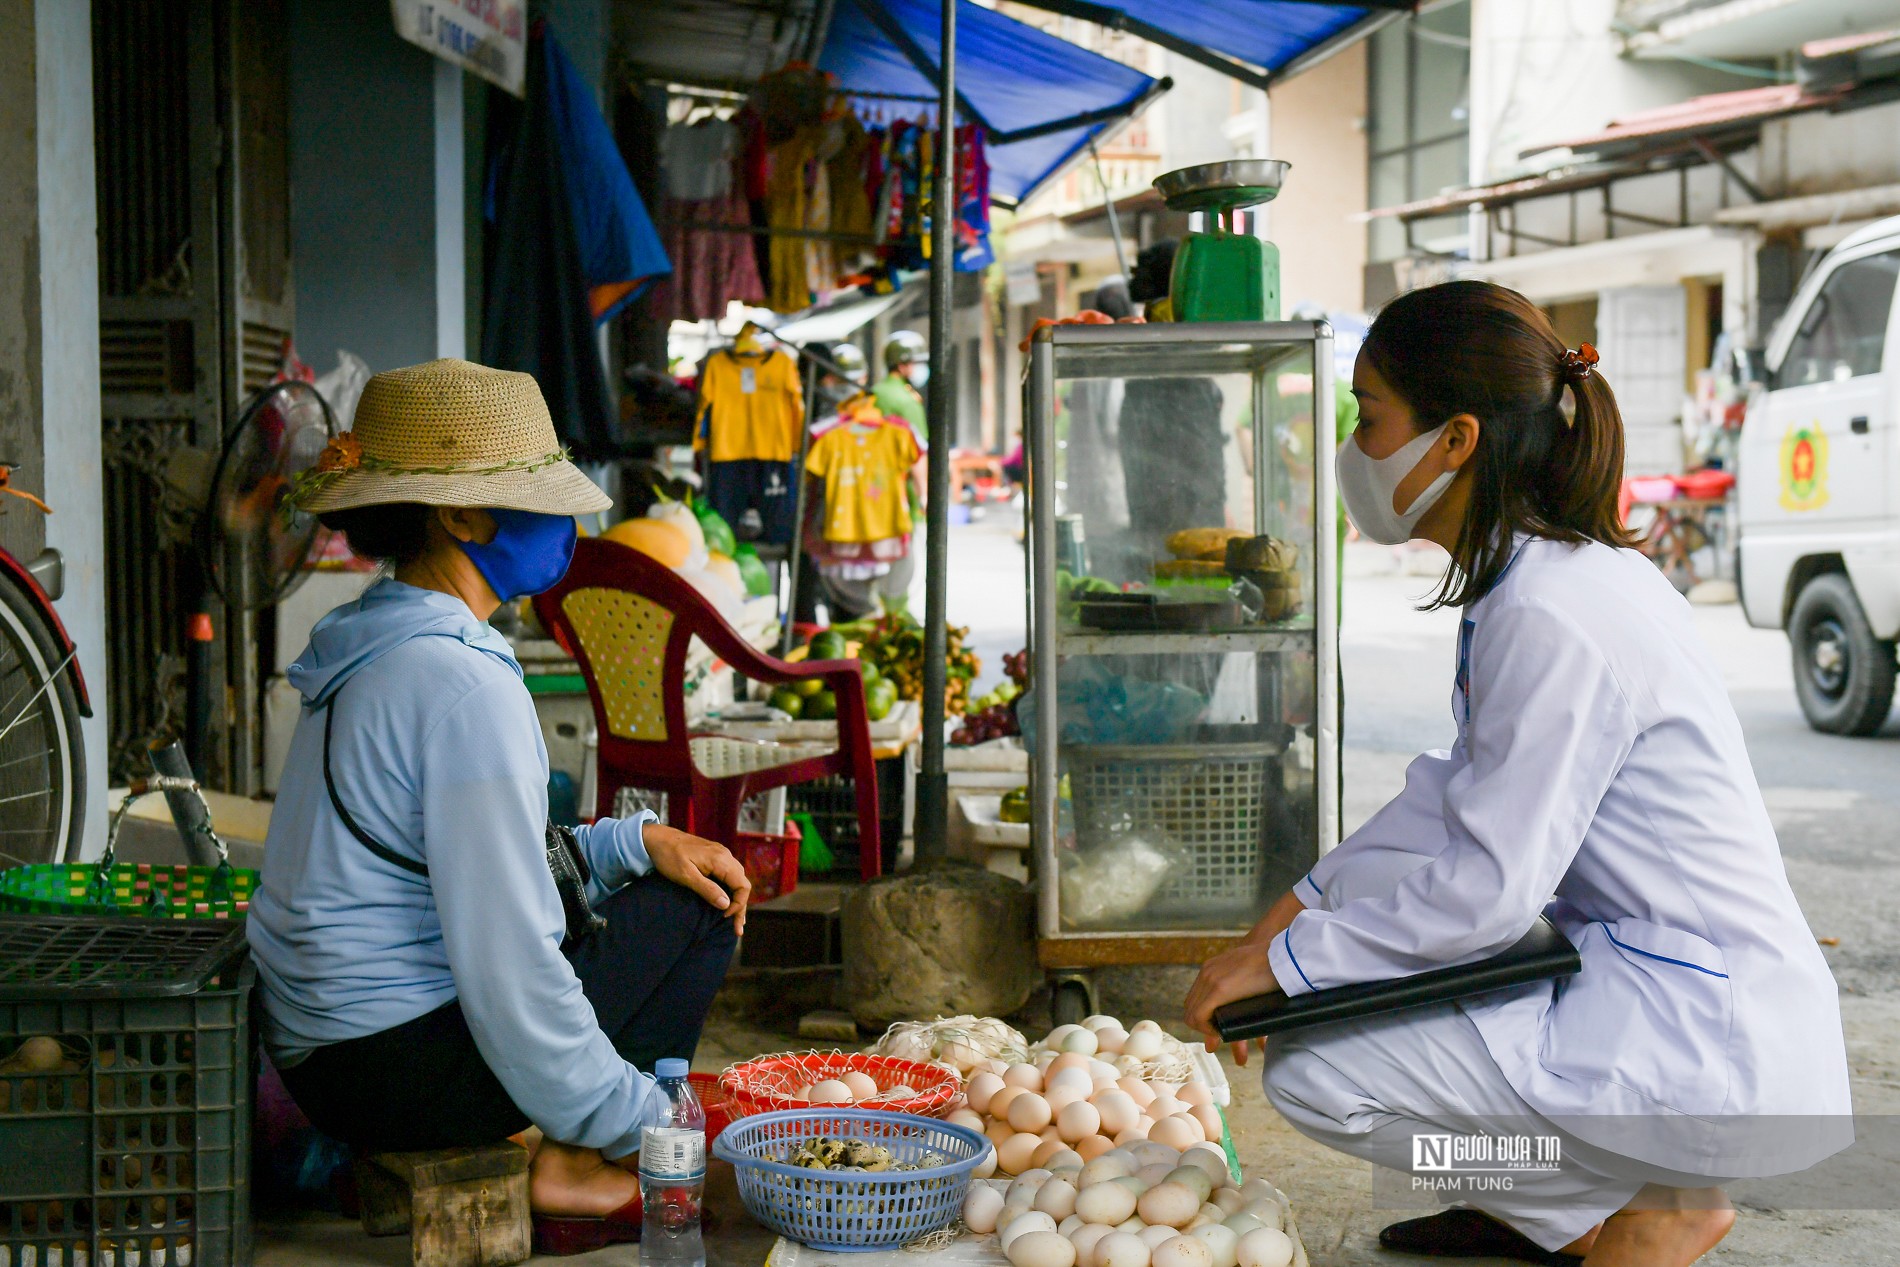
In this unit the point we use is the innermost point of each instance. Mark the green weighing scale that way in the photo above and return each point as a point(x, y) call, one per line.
point(1222, 275)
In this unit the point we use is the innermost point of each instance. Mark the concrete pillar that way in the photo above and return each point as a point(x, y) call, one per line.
point(67, 297)
point(451, 254)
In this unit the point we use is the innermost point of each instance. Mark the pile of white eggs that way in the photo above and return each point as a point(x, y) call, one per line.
point(850, 1087)
point(1071, 1100)
point(1143, 1204)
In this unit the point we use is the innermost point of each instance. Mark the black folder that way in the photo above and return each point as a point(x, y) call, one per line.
point(1538, 955)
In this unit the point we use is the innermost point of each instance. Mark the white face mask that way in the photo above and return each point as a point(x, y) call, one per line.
point(1368, 484)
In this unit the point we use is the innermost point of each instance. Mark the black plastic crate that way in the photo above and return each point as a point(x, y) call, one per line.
point(833, 805)
point(127, 1142)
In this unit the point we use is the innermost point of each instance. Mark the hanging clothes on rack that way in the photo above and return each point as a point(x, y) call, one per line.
point(858, 526)
point(751, 408)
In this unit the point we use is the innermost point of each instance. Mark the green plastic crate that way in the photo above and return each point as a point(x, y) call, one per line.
point(134, 1151)
point(128, 888)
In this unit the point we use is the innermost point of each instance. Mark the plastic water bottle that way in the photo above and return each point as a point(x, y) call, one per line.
point(673, 1173)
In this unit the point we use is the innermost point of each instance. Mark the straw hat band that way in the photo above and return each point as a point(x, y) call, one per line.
point(450, 433)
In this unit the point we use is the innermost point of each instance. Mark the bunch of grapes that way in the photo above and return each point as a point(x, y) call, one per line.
point(995, 722)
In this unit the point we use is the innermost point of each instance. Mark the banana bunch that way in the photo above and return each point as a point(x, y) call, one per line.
point(895, 644)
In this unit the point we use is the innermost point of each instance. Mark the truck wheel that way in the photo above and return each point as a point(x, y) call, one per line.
point(1843, 675)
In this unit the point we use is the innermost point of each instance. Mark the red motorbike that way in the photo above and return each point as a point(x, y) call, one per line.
point(42, 698)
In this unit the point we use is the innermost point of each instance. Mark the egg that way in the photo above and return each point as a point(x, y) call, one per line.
point(1121, 1249)
point(997, 1067)
point(1023, 1188)
point(1013, 1154)
point(1221, 1243)
point(1048, 1134)
point(1269, 1213)
point(965, 1118)
point(1056, 1198)
point(1086, 1238)
point(1066, 1061)
point(1215, 1168)
point(1258, 1189)
point(1207, 1117)
point(1142, 1044)
point(1194, 1179)
point(1116, 1108)
point(830, 1091)
point(987, 1166)
point(1195, 1093)
point(1062, 1095)
point(1108, 1203)
point(1134, 1183)
point(1230, 1201)
point(1082, 1040)
point(1155, 1172)
point(999, 1102)
point(1012, 1210)
point(1052, 1041)
point(1064, 1163)
point(1113, 1164)
point(862, 1085)
point(982, 1088)
point(1041, 1249)
point(1028, 1077)
point(960, 1054)
point(1149, 1153)
point(1133, 1135)
point(1110, 1039)
point(998, 1131)
point(1169, 1204)
point(1164, 1105)
point(1146, 1027)
point(1140, 1092)
point(1048, 1150)
point(1077, 1076)
point(1078, 1121)
point(1100, 1022)
point(1022, 1224)
point(1241, 1224)
point(1264, 1247)
point(1127, 1065)
point(981, 1205)
point(1155, 1236)
point(902, 1091)
point(1069, 1227)
point(1182, 1251)
point(1094, 1146)
point(1029, 1112)
point(1175, 1132)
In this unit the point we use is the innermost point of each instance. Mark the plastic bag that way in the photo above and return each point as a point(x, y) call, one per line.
point(342, 387)
point(717, 532)
point(758, 581)
point(1112, 882)
point(1100, 707)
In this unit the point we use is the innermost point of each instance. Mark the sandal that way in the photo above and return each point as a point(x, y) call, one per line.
point(560, 1235)
point(1469, 1234)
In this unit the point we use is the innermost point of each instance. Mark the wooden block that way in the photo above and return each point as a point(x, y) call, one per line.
point(462, 1207)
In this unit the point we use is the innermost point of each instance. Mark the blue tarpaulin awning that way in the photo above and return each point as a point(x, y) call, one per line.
point(1248, 39)
point(1041, 99)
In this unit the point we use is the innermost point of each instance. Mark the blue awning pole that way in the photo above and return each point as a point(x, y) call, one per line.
point(933, 785)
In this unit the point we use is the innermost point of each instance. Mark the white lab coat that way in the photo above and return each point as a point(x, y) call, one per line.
point(1601, 762)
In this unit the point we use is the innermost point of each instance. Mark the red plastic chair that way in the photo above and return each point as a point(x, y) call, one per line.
point(627, 620)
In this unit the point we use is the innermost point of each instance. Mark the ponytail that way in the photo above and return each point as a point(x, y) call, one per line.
point(1540, 468)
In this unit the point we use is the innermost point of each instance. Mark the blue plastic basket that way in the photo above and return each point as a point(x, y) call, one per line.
point(845, 1210)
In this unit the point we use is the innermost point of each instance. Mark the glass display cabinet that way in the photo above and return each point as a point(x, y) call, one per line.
point(1182, 720)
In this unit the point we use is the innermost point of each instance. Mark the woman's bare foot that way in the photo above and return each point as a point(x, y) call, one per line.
point(1663, 1227)
point(570, 1182)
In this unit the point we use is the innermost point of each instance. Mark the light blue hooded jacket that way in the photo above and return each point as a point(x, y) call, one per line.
point(438, 756)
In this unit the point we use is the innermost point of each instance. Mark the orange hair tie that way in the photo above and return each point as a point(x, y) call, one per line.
point(1578, 364)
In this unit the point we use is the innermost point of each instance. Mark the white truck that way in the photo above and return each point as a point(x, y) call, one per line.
point(1819, 500)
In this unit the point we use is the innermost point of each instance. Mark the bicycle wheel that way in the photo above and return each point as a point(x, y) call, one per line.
point(42, 763)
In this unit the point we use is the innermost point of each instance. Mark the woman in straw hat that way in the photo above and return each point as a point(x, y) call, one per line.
point(408, 933)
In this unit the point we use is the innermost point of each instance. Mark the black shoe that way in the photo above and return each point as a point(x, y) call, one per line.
point(1468, 1234)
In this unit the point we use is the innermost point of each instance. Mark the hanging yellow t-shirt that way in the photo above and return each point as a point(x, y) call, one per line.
point(866, 471)
point(751, 407)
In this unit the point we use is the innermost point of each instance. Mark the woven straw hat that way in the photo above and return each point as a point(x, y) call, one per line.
point(450, 433)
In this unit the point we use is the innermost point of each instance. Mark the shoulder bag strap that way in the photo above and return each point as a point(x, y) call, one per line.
point(369, 842)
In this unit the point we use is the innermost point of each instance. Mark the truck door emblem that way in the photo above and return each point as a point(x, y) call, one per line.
point(1804, 468)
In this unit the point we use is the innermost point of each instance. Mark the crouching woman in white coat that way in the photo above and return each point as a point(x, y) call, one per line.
point(1599, 775)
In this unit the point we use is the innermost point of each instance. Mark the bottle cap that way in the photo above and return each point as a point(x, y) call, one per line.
point(671, 1067)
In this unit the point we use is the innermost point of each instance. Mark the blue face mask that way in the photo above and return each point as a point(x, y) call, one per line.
point(529, 554)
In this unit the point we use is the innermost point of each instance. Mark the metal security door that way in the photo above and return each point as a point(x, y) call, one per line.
point(190, 119)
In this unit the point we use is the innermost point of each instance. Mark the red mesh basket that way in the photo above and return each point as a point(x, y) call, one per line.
point(713, 1099)
point(771, 1083)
